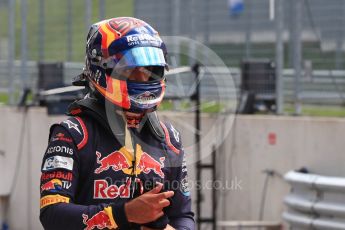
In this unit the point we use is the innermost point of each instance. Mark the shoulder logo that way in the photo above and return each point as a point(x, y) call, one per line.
point(61, 137)
point(72, 125)
point(175, 133)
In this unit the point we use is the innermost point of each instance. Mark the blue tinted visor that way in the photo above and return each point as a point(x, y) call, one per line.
point(141, 56)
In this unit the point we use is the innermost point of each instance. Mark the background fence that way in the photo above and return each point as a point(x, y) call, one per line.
point(299, 36)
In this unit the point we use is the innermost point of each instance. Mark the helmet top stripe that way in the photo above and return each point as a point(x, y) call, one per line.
point(107, 38)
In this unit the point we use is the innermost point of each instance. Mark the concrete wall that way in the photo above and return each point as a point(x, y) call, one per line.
point(253, 144)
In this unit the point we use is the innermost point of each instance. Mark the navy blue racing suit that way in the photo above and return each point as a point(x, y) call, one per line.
point(88, 174)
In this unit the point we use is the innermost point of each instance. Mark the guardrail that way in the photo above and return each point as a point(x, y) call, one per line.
point(315, 202)
point(241, 225)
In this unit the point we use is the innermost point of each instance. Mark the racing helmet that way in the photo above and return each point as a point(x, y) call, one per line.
point(119, 45)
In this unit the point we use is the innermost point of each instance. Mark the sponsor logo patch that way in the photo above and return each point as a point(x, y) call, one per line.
point(57, 175)
point(120, 160)
point(104, 190)
point(115, 160)
point(60, 149)
point(52, 199)
point(184, 187)
point(140, 37)
point(58, 162)
point(102, 219)
point(61, 137)
point(148, 164)
point(53, 185)
point(184, 182)
point(66, 184)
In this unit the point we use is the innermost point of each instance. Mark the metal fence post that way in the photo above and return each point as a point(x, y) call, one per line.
point(340, 38)
point(135, 8)
point(176, 28)
point(88, 14)
point(24, 47)
point(291, 31)
point(297, 53)
point(206, 33)
point(101, 9)
point(279, 56)
point(248, 29)
point(69, 31)
point(192, 30)
point(206, 19)
point(11, 49)
point(41, 22)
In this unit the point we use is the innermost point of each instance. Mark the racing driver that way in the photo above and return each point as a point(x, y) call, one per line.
point(112, 164)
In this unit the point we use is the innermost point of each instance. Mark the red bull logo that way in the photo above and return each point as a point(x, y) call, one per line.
point(52, 185)
point(100, 220)
point(148, 164)
point(57, 175)
point(115, 160)
point(118, 160)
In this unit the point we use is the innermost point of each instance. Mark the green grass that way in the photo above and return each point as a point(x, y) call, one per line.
point(3, 98)
point(55, 26)
point(307, 110)
point(166, 105)
point(318, 111)
point(232, 54)
point(206, 107)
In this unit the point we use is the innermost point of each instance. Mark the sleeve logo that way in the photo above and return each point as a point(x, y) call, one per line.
point(100, 220)
point(53, 199)
point(58, 162)
point(175, 133)
point(61, 137)
point(60, 149)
